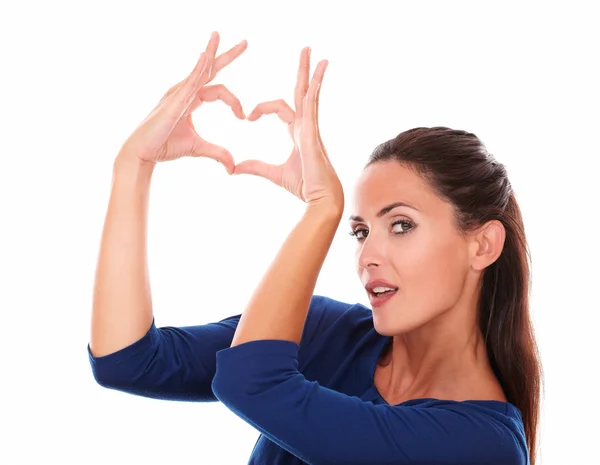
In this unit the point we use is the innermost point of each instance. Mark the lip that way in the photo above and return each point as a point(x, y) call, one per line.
point(378, 301)
point(378, 283)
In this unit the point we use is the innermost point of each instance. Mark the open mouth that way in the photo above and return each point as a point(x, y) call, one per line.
point(382, 291)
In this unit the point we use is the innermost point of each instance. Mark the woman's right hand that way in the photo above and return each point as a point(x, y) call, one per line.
point(168, 133)
point(290, 174)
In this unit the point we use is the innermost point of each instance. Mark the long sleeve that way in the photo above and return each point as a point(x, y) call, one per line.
point(179, 363)
point(169, 363)
point(259, 381)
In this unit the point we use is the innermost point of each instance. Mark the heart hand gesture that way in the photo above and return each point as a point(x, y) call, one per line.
point(168, 133)
point(307, 173)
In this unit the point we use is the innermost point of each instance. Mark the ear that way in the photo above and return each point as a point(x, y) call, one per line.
point(486, 244)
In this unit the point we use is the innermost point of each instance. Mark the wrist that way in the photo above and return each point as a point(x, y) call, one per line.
point(332, 210)
point(132, 166)
point(325, 212)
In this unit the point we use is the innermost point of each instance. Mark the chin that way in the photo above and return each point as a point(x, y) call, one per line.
point(385, 326)
point(394, 326)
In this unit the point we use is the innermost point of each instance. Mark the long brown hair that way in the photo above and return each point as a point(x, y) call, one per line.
point(457, 165)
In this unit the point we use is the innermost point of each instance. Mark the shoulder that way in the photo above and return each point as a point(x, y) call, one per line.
point(489, 430)
point(325, 314)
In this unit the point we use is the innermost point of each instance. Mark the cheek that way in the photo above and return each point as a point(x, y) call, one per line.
point(432, 273)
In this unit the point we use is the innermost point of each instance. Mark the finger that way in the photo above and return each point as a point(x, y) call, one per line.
point(216, 152)
point(211, 51)
point(312, 99)
point(194, 74)
point(225, 58)
point(302, 80)
point(186, 90)
point(280, 107)
point(317, 119)
point(218, 92)
point(259, 168)
point(212, 46)
point(183, 94)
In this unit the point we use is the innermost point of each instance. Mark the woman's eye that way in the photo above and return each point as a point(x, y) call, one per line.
point(357, 233)
point(401, 229)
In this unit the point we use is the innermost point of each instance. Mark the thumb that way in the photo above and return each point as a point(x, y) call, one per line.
point(216, 152)
point(261, 169)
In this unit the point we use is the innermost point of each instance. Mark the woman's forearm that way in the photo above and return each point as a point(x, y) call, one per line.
point(122, 303)
point(279, 306)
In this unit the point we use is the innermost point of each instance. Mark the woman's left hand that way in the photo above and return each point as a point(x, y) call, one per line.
point(307, 173)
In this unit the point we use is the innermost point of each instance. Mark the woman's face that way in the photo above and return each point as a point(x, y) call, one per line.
point(416, 248)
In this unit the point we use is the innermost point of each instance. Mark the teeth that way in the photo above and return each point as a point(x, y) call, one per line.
point(379, 290)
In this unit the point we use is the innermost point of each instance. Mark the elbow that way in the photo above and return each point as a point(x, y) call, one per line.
point(236, 392)
point(224, 390)
point(123, 368)
point(106, 379)
point(107, 375)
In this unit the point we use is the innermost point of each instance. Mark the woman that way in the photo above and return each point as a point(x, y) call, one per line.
point(442, 369)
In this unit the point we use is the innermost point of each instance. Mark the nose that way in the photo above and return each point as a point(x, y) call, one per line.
point(370, 254)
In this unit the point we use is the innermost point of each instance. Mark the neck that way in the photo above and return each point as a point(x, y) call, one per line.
point(444, 359)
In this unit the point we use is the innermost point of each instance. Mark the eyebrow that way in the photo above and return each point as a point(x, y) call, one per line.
point(384, 211)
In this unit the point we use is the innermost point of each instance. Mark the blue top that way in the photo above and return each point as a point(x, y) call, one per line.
point(314, 402)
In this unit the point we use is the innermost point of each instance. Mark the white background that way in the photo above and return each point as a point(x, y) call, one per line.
point(77, 78)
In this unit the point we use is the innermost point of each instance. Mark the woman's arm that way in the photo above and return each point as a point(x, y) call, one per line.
point(122, 302)
point(259, 381)
point(278, 308)
point(179, 363)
